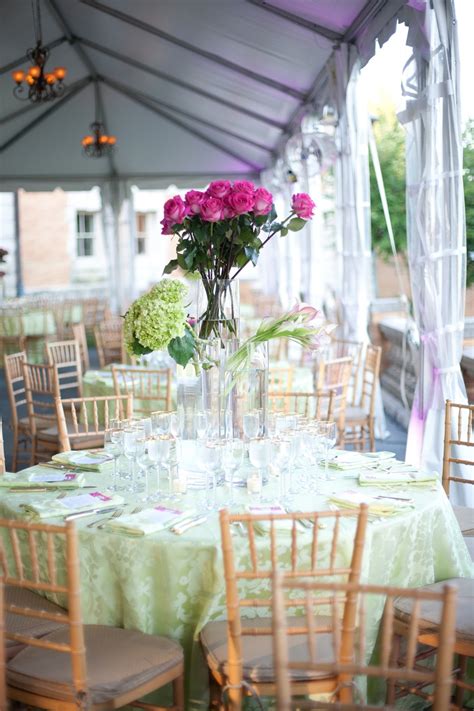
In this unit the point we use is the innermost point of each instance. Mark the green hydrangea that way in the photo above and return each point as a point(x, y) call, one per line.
point(156, 318)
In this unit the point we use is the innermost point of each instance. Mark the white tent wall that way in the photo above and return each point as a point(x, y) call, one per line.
point(436, 226)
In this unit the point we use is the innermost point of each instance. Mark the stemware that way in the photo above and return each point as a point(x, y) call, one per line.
point(251, 424)
point(328, 434)
point(281, 448)
point(259, 454)
point(160, 422)
point(113, 446)
point(232, 457)
point(129, 451)
point(211, 452)
point(159, 450)
point(201, 424)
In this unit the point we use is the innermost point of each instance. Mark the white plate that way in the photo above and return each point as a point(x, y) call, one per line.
point(380, 455)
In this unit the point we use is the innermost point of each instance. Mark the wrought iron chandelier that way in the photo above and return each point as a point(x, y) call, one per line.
point(36, 85)
point(97, 144)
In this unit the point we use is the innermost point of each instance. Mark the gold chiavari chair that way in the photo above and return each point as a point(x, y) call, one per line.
point(317, 406)
point(360, 419)
point(41, 389)
point(109, 341)
point(280, 379)
point(335, 375)
point(238, 650)
point(76, 666)
point(66, 356)
point(340, 348)
point(16, 393)
point(458, 431)
point(151, 389)
point(82, 421)
point(348, 657)
point(79, 335)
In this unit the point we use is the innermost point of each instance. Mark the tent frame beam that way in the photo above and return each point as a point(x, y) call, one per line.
point(326, 32)
point(138, 99)
point(58, 104)
point(210, 56)
point(168, 107)
point(179, 82)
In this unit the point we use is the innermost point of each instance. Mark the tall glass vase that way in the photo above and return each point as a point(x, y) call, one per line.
point(249, 391)
point(218, 309)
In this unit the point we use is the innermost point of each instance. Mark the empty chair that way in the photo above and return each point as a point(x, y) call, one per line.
point(335, 375)
point(109, 341)
point(238, 650)
point(340, 348)
point(458, 432)
point(82, 421)
point(76, 666)
point(360, 417)
point(41, 389)
point(66, 356)
point(79, 335)
point(151, 389)
point(339, 641)
point(20, 424)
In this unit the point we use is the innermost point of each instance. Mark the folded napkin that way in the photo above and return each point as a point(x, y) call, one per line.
point(71, 504)
point(149, 521)
point(340, 459)
point(89, 461)
point(47, 478)
point(397, 477)
point(377, 507)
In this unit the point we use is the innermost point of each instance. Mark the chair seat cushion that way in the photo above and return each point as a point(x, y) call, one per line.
point(51, 435)
point(430, 610)
point(257, 652)
point(30, 626)
point(355, 414)
point(465, 517)
point(118, 661)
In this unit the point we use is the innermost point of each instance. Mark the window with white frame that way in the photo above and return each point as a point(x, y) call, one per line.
point(85, 234)
point(142, 223)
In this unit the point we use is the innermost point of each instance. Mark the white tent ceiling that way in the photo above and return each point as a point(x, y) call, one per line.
point(191, 88)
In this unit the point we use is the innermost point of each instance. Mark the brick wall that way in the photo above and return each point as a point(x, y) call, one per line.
point(44, 238)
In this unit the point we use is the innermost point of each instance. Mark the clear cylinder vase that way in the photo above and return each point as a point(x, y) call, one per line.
point(218, 309)
point(248, 392)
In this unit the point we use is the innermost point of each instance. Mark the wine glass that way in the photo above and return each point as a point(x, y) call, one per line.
point(201, 424)
point(232, 457)
point(160, 422)
point(251, 424)
point(259, 454)
point(113, 446)
point(212, 457)
point(159, 450)
point(281, 448)
point(328, 434)
point(129, 451)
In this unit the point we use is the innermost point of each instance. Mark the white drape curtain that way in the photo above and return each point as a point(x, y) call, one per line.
point(436, 225)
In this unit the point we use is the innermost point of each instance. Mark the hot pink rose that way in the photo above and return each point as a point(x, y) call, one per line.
point(212, 209)
point(244, 186)
point(240, 202)
point(166, 227)
point(194, 200)
point(263, 201)
point(175, 210)
point(218, 189)
point(228, 213)
point(302, 206)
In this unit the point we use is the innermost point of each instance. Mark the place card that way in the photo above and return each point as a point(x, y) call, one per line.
point(52, 477)
point(81, 500)
point(162, 515)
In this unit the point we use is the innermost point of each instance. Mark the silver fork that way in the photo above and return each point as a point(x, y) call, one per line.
point(97, 521)
point(116, 514)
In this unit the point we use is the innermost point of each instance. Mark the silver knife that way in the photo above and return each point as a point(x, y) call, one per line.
point(181, 528)
point(90, 512)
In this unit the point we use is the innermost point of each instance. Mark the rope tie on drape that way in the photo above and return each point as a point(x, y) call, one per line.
point(449, 369)
point(441, 330)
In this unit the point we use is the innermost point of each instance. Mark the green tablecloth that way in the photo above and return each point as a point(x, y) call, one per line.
point(172, 585)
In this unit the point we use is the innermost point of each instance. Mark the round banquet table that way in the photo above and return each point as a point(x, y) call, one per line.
point(173, 585)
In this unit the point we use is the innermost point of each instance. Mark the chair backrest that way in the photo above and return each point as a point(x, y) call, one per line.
point(280, 380)
point(84, 418)
point(340, 348)
point(79, 334)
point(352, 644)
point(15, 383)
point(66, 356)
point(370, 378)
point(335, 375)
point(109, 340)
point(263, 553)
point(151, 389)
point(42, 387)
point(318, 405)
point(2, 450)
point(45, 558)
point(458, 431)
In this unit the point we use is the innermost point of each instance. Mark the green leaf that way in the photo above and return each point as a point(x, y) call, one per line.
point(189, 258)
point(252, 254)
point(296, 224)
point(138, 349)
point(181, 349)
point(171, 266)
point(283, 231)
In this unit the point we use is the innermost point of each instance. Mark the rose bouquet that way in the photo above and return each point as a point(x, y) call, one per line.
point(219, 232)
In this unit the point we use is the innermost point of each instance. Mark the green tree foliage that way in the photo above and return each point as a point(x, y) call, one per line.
point(390, 139)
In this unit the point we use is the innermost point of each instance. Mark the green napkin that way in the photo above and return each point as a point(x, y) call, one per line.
point(395, 477)
point(46, 478)
point(71, 504)
point(377, 507)
point(146, 522)
point(91, 461)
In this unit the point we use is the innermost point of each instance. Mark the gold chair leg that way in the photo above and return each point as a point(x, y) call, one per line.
point(178, 693)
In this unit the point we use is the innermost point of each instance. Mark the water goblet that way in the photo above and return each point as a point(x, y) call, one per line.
point(129, 451)
point(259, 454)
point(232, 458)
point(201, 424)
point(281, 447)
point(328, 434)
point(159, 450)
point(160, 422)
point(113, 446)
point(251, 424)
point(211, 451)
